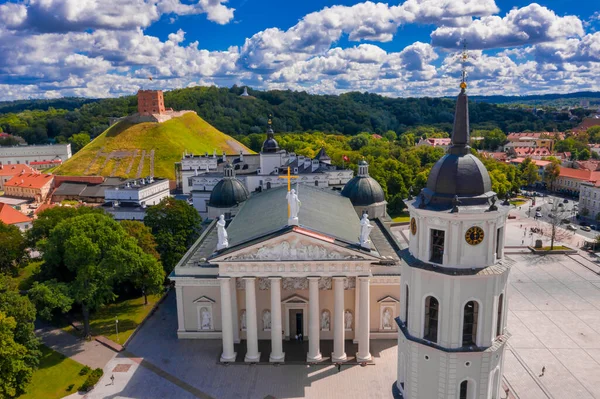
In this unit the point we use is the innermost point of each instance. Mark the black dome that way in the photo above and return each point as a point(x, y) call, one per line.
point(363, 191)
point(462, 175)
point(227, 193)
point(270, 145)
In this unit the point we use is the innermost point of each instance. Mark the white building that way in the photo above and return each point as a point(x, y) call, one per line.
point(452, 323)
point(589, 199)
point(34, 153)
point(129, 200)
point(198, 175)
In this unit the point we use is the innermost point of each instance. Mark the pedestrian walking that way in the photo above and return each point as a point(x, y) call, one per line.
point(339, 367)
point(296, 337)
point(543, 371)
point(112, 379)
point(507, 392)
point(301, 337)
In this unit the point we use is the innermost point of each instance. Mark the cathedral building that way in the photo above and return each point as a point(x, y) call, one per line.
point(296, 260)
point(452, 324)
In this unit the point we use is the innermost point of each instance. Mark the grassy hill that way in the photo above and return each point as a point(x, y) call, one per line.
point(138, 150)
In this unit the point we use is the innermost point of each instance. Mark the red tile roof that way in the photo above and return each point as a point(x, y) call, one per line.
point(516, 136)
point(579, 174)
point(13, 170)
point(586, 124)
point(589, 165)
point(536, 162)
point(29, 180)
point(55, 161)
point(539, 151)
point(9, 215)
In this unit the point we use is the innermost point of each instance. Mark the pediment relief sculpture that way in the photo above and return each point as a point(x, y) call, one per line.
point(293, 250)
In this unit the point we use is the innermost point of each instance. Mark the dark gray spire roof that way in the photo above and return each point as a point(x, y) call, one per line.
point(322, 155)
point(459, 173)
point(270, 144)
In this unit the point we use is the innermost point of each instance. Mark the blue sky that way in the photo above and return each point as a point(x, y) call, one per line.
point(99, 48)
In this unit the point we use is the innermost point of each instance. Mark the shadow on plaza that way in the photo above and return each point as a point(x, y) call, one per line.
point(193, 365)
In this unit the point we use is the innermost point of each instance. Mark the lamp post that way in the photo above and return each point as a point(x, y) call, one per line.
point(117, 328)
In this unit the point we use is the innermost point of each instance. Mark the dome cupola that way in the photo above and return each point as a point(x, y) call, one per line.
point(363, 190)
point(229, 191)
point(270, 144)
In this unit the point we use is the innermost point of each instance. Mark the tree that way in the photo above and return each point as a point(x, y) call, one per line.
point(175, 225)
point(147, 275)
point(390, 135)
point(529, 172)
point(49, 218)
point(49, 297)
point(19, 354)
point(13, 247)
point(94, 252)
point(359, 141)
point(584, 155)
point(552, 171)
point(594, 134)
point(493, 139)
point(78, 141)
point(143, 236)
point(554, 231)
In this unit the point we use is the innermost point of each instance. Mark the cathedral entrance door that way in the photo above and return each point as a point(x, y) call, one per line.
point(299, 320)
point(296, 318)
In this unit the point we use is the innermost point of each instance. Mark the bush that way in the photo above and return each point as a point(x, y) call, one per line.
point(84, 370)
point(91, 380)
point(70, 387)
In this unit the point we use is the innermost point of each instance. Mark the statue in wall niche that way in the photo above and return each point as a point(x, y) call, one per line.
point(243, 320)
point(348, 320)
point(205, 319)
point(387, 319)
point(222, 233)
point(365, 230)
point(293, 203)
point(325, 320)
point(267, 320)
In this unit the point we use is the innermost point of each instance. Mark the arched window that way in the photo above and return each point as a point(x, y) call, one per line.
point(464, 390)
point(406, 307)
point(471, 313)
point(499, 321)
point(432, 308)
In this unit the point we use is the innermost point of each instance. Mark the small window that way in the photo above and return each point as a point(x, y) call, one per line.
point(437, 246)
point(316, 183)
point(499, 321)
point(190, 182)
point(464, 389)
point(470, 316)
point(431, 319)
point(406, 307)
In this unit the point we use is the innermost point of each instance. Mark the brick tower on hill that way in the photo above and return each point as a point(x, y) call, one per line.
point(150, 102)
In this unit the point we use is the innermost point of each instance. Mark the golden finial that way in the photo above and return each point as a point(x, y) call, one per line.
point(463, 60)
point(269, 122)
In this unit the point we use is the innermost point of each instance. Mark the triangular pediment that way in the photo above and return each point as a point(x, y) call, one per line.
point(204, 299)
point(295, 299)
point(301, 245)
point(388, 299)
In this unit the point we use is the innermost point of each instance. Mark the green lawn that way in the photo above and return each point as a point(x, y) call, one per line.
point(27, 274)
point(130, 313)
point(556, 248)
point(402, 217)
point(518, 202)
point(53, 377)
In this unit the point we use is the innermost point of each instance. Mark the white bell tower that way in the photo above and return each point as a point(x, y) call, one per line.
point(452, 333)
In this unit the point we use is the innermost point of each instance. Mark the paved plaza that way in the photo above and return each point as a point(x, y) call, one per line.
point(554, 320)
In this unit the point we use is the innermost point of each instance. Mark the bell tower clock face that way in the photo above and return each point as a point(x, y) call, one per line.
point(413, 226)
point(474, 235)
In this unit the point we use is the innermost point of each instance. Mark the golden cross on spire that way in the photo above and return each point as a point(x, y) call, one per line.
point(269, 122)
point(289, 178)
point(463, 60)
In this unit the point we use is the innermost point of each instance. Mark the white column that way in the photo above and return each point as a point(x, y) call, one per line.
point(252, 354)
point(234, 311)
point(314, 339)
point(356, 311)
point(179, 296)
point(277, 354)
point(364, 354)
point(339, 353)
point(228, 354)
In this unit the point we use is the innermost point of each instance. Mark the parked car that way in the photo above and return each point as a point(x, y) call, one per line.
point(538, 214)
point(584, 223)
point(565, 221)
point(560, 205)
point(551, 202)
point(585, 228)
point(551, 216)
point(571, 227)
point(539, 208)
point(593, 227)
point(566, 201)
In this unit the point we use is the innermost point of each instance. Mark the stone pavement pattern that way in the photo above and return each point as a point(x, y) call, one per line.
point(554, 318)
point(90, 353)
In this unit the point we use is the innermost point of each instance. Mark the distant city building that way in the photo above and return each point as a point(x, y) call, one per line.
point(7, 172)
point(435, 142)
point(34, 186)
point(569, 181)
point(46, 154)
point(245, 93)
point(129, 200)
point(589, 199)
point(10, 216)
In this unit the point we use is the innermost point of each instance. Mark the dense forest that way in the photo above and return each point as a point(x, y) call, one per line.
point(42, 121)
